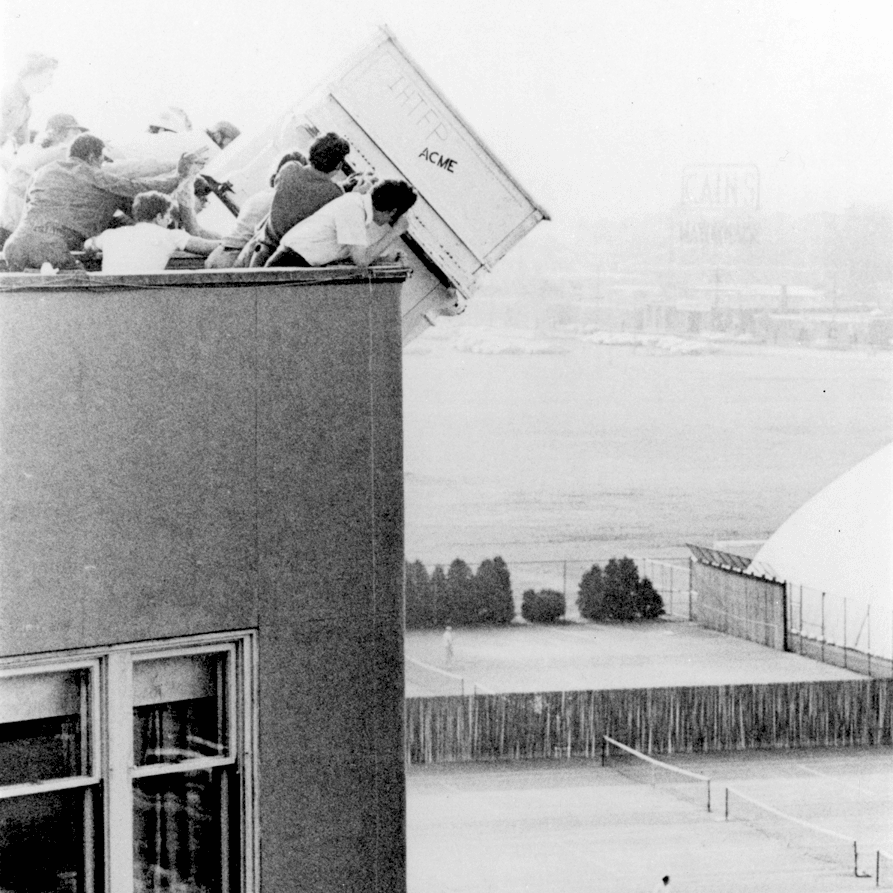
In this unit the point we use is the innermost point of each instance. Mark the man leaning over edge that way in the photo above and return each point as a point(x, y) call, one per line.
point(358, 226)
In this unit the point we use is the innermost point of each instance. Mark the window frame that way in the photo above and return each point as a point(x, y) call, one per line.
point(109, 736)
point(197, 764)
point(91, 738)
point(90, 717)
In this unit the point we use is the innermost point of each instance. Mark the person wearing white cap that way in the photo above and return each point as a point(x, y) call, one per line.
point(169, 135)
point(171, 119)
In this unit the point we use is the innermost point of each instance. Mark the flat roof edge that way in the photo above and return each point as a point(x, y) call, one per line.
point(226, 278)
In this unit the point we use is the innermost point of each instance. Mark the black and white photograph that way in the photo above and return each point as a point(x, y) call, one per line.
point(446, 447)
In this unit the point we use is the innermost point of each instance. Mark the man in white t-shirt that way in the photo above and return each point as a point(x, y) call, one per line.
point(147, 246)
point(356, 227)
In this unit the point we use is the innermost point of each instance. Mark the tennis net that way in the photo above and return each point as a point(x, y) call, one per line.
point(431, 680)
point(821, 843)
point(639, 767)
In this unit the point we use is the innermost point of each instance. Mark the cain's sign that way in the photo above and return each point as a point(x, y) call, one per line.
point(719, 186)
point(719, 206)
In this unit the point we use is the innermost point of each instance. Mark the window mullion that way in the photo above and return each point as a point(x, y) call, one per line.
point(89, 757)
point(119, 754)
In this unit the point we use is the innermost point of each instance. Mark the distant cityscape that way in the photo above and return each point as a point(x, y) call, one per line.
point(814, 279)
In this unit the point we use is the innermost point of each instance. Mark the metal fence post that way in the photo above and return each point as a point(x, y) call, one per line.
point(844, 633)
point(869, 638)
point(823, 627)
point(800, 632)
point(785, 616)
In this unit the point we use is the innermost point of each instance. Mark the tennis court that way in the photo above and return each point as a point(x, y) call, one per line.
point(568, 827)
point(585, 656)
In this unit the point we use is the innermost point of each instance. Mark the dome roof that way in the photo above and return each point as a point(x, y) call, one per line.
point(841, 540)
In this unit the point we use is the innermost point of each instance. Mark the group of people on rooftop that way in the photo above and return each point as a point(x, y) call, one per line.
point(307, 219)
point(64, 203)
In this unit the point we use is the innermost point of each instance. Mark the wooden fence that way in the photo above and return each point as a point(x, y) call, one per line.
point(740, 604)
point(560, 725)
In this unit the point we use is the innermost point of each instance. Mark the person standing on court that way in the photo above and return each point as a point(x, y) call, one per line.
point(448, 644)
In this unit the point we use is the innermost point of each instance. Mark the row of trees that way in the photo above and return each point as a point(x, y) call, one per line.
point(460, 596)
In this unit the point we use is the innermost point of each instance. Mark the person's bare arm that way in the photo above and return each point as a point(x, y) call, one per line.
point(188, 167)
point(184, 195)
point(201, 246)
point(363, 255)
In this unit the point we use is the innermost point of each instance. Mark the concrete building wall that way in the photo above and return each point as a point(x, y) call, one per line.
point(194, 455)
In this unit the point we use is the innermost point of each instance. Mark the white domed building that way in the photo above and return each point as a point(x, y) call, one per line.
point(840, 543)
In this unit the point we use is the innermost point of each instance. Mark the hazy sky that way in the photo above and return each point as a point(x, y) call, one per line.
point(595, 107)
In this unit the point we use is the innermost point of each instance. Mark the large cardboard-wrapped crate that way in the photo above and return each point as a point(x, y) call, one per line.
point(470, 211)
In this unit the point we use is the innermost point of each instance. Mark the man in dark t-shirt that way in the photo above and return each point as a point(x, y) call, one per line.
point(301, 191)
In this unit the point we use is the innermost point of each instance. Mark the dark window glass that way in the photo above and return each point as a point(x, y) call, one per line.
point(48, 842)
point(180, 711)
point(42, 731)
point(185, 833)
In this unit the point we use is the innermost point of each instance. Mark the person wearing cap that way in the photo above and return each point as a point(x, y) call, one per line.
point(172, 120)
point(70, 201)
point(223, 133)
point(15, 99)
point(60, 130)
point(169, 134)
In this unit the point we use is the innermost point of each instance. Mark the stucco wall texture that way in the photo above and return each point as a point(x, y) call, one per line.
point(180, 459)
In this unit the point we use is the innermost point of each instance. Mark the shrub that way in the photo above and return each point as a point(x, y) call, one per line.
point(649, 602)
point(591, 594)
point(621, 584)
point(617, 593)
point(544, 606)
point(494, 592)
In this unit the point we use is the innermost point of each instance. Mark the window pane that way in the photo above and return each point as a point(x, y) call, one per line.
point(43, 731)
point(44, 841)
point(183, 833)
point(180, 711)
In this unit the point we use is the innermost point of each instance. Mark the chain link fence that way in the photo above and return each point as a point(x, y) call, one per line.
point(847, 632)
